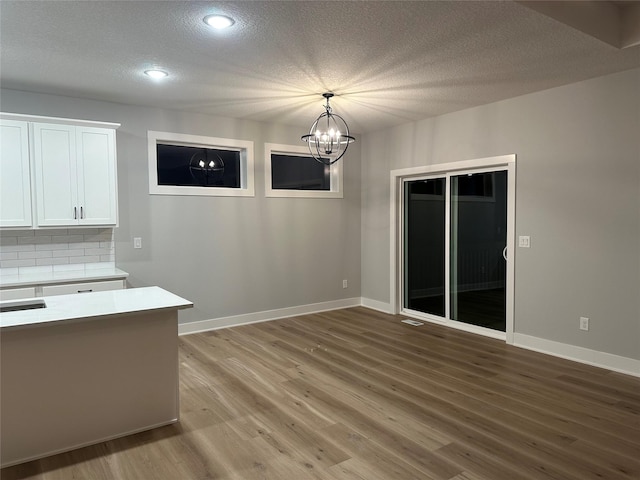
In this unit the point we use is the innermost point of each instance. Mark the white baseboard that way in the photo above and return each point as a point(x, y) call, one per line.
point(383, 307)
point(244, 319)
point(595, 358)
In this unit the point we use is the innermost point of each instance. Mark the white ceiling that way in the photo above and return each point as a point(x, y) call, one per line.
point(387, 62)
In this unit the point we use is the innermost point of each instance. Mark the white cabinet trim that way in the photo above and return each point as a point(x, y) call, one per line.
point(62, 121)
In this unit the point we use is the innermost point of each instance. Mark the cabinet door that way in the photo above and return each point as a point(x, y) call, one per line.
point(56, 177)
point(15, 180)
point(17, 293)
point(86, 287)
point(96, 170)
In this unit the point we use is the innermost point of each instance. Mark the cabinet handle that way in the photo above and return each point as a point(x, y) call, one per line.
point(85, 291)
point(75, 213)
point(81, 212)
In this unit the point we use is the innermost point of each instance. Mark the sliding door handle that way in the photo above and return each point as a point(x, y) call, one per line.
point(504, 253)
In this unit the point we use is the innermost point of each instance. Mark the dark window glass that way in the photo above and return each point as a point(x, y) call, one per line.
point(292, 172)
point(197, 166)
point(476, 185)
point(425, 246)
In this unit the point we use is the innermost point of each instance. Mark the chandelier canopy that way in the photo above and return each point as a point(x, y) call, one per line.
point(328, 137)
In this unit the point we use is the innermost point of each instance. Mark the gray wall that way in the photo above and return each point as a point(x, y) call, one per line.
point(230, 256)
point(578, 197)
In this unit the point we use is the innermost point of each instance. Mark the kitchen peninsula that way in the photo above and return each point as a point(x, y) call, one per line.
point(86, 368)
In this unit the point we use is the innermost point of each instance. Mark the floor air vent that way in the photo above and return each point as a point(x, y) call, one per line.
point(412, 322)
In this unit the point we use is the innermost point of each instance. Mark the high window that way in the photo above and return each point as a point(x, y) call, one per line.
point(181, 164)
point(290, 171)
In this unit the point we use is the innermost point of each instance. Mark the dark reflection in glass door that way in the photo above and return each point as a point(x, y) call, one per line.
point(424, 287)
point(478, 239)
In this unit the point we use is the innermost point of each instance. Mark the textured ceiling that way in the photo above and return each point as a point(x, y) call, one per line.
point(387, 62)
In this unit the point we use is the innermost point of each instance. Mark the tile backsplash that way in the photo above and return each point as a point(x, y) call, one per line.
point(30, 251)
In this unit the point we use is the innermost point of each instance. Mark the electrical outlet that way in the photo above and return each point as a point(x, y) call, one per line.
point(524, 241)
point(584, 323)
point(137, 242)
point(345, 284)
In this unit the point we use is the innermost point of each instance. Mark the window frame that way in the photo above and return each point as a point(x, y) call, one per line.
point(245, 147)
point(335, 174)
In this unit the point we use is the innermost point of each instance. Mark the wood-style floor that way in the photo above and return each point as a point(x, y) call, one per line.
point(356, 395)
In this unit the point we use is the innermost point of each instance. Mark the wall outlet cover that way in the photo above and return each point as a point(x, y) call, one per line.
point(524, 241)
point(584, 323)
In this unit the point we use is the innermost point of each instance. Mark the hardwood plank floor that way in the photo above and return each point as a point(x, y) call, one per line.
point(356, 395)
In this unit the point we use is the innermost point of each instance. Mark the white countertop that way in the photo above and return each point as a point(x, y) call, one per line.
point(94, 304)
point(80, 275)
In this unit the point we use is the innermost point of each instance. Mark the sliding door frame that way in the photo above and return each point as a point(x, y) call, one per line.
point(398, 178)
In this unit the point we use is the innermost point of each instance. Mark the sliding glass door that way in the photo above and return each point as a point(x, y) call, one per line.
point(478, 242)
point(455, 248)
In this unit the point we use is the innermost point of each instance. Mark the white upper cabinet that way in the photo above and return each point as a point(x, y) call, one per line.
point(15, 180)
point(96, 170)
point(57, 172)
point(75, 175)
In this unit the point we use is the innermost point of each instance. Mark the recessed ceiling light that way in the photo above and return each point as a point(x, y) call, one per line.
point(156, 73)
point(218, 21)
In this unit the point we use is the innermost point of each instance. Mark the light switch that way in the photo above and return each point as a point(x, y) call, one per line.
point(524, 241)
point(137, 242)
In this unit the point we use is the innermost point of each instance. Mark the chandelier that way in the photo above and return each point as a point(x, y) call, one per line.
point(328, 138)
